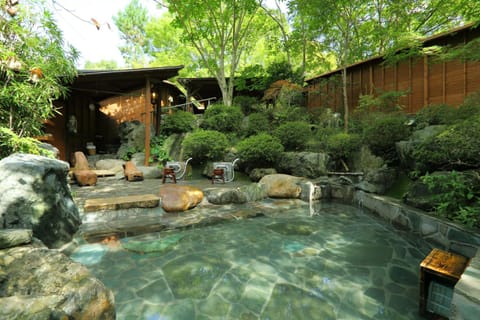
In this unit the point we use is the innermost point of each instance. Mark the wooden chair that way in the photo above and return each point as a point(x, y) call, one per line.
point(218, 174)
point(169, 173)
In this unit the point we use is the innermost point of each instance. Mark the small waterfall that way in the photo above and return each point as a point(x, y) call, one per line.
point(311, 194)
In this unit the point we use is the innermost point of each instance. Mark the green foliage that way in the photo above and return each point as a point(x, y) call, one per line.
point(457, 147)
point(342, 145)
point(222, 118)
point(131, 24)
point(246, 103)
point(283, 115)
point(470, 107)
point(457, 197)
point(294, 135)
point(251, 78)
point(204, 145)
point(383, 132)
point(282, 70)
point(158, 150)
point(31, 43)
point(435, 114)
point(178, 122)
point(11, 143)
point(262, 150)
point(126, 153)
point(220, 32)
point(387, 101)
point(257, 122)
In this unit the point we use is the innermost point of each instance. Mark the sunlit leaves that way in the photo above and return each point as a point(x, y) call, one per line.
point(44, 65)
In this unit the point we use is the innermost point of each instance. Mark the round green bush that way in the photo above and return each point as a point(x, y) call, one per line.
point(342, 145)
point(257, 122)
point(178, 122)
point(222, 118)
point(294, 135)
point(262, 150)
point(204, 145)
point(382, 134)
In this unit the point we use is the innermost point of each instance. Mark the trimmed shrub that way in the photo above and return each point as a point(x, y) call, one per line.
point(204, 145)
point(435, 114)
point(178, 122)
point(470, 107)
point(457, 148)
point(257, 122)
point(342, 145)
point(262, 150)
point(222, 118)
point(294, 135)
point(382, 134)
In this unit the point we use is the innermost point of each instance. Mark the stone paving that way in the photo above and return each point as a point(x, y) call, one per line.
point(285, 264)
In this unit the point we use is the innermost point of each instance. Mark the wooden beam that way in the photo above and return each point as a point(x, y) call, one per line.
point(425, 80)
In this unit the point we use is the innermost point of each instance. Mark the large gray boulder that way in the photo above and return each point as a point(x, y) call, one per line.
point(304, 164)
point(38, 283)
point(36, 195)
point(282, 185)
point(243, 194)
point(132, 137)
point(378, 181)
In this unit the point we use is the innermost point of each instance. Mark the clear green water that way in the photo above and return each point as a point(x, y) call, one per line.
point(339, 264)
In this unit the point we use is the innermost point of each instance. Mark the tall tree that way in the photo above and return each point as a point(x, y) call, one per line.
point(35, 66)
point(218, 30)
point(167, 48)
point(131, 23)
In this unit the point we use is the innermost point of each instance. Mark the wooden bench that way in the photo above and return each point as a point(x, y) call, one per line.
point(125, 202)
point(444, 269)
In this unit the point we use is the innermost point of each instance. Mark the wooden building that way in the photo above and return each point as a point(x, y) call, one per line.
point(100, 100)
point(425, 79)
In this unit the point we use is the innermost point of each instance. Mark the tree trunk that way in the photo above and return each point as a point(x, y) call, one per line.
point(345, 98)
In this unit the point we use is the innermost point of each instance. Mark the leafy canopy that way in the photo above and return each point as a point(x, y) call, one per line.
point(35, 67)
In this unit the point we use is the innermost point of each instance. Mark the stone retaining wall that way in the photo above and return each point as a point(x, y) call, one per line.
point(440, 233)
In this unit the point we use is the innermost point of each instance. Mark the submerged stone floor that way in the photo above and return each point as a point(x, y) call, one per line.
point(285, 264)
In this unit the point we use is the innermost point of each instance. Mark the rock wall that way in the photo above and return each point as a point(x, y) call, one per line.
point(38, 283)
point(35, 195)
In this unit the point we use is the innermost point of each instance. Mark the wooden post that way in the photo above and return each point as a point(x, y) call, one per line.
point(425, 81)
point(148, 107)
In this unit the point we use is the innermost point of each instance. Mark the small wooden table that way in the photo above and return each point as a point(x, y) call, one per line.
point(443, 267)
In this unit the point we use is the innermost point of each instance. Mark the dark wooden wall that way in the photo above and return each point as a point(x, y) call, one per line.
point(426, 80)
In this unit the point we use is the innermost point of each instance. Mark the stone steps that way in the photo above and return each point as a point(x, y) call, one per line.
point(124, 202)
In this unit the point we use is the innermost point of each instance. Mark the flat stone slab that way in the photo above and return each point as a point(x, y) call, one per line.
point(124, 202)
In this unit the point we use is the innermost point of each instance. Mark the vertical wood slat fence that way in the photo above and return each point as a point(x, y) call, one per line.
point(425, 80)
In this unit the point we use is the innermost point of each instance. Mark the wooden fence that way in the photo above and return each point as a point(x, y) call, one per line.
point(425, 80)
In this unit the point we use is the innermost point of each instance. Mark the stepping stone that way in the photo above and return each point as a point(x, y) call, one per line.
point(125, 202)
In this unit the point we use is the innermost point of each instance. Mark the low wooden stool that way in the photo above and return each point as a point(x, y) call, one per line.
point(439, 272)
point(218, 174)
point(169, 173)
